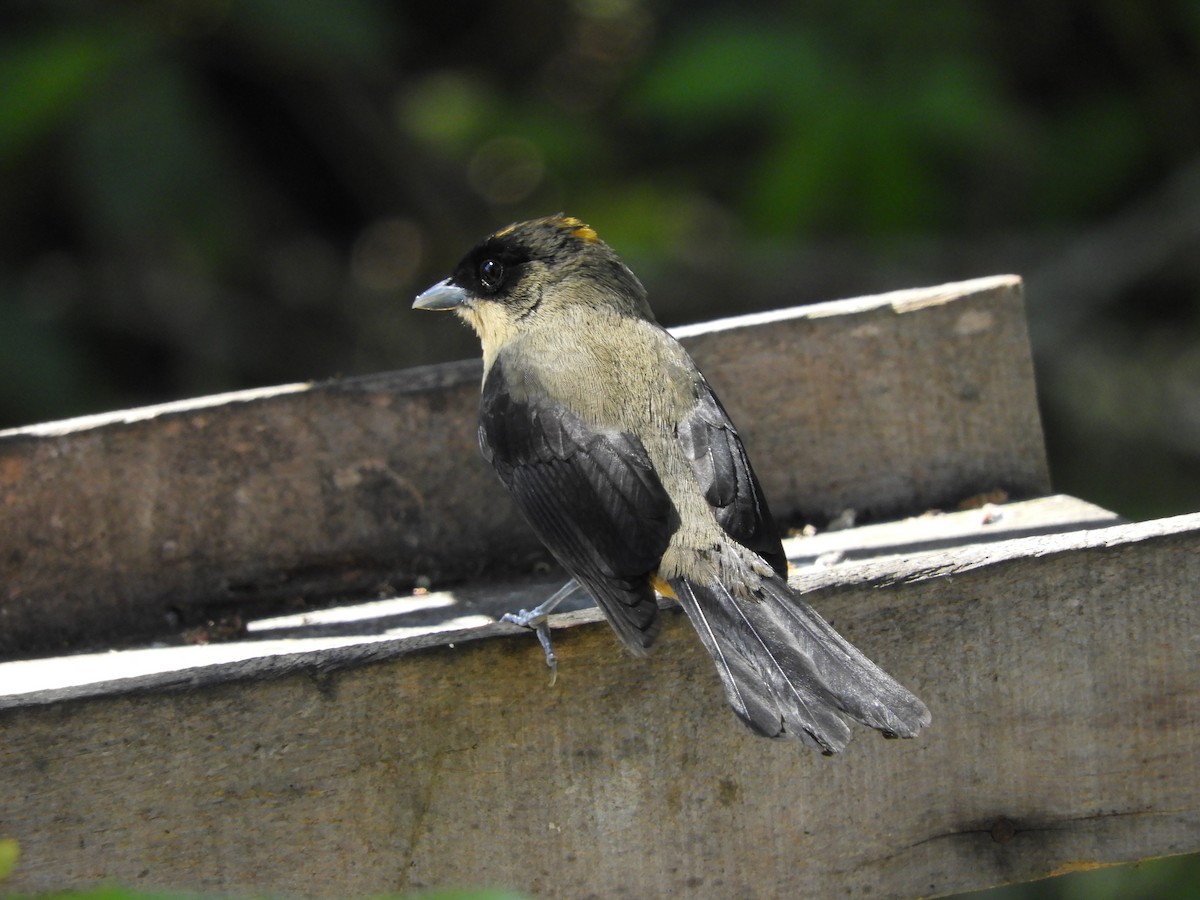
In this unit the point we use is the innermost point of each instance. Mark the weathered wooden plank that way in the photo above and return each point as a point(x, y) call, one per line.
point(1063, 673)
point(124, 525)
point(474, 604)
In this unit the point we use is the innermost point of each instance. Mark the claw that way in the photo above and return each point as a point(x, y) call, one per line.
point(543, 636)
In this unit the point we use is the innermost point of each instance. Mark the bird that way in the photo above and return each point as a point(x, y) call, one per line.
point(626, 465)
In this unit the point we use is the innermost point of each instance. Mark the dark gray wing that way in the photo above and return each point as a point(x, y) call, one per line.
point(723, 471)
point(593, 498)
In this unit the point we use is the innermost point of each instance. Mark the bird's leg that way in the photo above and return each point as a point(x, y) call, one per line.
point(538, 619)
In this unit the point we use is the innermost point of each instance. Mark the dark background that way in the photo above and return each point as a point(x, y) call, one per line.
point(199, 196)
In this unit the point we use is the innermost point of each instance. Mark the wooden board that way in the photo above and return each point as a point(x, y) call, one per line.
point(479, 603)
point(134, 524)
point(1063, 673)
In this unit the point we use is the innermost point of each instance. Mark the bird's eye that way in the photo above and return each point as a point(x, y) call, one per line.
point(491, 273)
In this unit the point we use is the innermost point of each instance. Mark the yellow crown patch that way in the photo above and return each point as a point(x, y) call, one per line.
point(581, 230)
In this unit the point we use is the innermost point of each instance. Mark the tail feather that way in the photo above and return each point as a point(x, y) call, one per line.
point(788, 673)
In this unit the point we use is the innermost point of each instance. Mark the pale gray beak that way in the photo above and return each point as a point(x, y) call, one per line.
point(442, 295)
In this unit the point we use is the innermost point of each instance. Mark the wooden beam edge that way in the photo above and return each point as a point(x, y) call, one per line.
point(899, 570)
point(900, 301)
point(437, 375)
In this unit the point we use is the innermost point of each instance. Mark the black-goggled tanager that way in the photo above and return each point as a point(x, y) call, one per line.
point(624, 462)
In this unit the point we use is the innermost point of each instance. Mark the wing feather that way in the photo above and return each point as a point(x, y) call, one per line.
point(723, 471)
point(593, 498)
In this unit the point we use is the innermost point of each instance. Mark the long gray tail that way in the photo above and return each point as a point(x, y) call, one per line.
point(788, 673)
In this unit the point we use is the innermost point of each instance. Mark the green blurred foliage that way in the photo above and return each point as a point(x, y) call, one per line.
point(10, 852)
point(1174, 878)
point(205, 194)
point(871, 136)
point(202, 195)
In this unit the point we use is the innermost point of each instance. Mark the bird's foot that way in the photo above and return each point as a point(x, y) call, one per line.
point(538, 619)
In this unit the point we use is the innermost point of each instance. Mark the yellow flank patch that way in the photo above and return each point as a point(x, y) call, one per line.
point(581, 230)
point(661, 586)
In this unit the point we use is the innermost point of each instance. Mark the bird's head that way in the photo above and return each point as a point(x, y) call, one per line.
point(532, 270)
